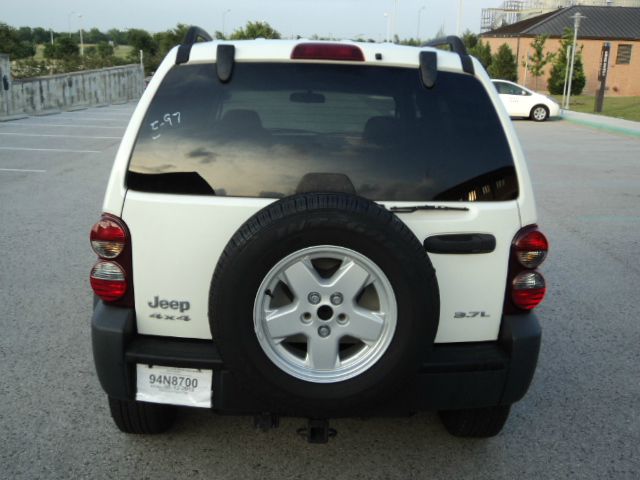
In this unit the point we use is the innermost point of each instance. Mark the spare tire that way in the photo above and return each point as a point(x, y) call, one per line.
point(323, 302)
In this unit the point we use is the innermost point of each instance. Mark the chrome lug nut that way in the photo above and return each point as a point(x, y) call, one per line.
point(336, 298)
point(324, 331)
point(314, 298)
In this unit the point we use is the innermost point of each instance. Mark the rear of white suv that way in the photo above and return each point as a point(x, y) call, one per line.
point(317, 230)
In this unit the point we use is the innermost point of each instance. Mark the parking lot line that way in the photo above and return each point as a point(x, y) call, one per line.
point(29, 124)
point(21, 170)
point(49, 150)
point(58, 136)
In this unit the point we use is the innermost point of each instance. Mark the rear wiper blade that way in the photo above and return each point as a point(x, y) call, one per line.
point(414, 208)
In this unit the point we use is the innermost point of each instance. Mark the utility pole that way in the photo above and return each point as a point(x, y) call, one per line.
point(566, 76)
point(388, 26)
point(602, 76)
point(224, 18)
point(81, 41)
point(576, 24)
point(419, 15)
point(395, 16)
point(459, 20)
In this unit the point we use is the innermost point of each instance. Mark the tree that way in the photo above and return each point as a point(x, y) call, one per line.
point(482, 51)
point(40, 35)
point(170, 38)
point(255, 30)
point(95, 36)
point(63, 48)
point(555, 83)
point(117, 36)
point(104, 50)
point(536, 62)
point(141, 40)
point(11, 44)
point(503, 64)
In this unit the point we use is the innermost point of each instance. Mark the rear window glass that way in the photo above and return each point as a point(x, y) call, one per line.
point(278, 129)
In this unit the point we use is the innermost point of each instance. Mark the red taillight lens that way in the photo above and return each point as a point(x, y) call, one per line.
point(108, 281)
point(108, 237)
point(525, 286)
point(531, 248)
point(327, 51)
point(528, 289)
point(112, 277)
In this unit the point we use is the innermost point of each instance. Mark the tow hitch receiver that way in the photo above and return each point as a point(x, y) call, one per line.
point(317, 431)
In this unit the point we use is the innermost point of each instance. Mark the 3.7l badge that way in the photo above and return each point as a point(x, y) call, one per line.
point(471, 315)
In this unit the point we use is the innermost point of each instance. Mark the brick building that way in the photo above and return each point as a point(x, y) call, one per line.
point(617, 25)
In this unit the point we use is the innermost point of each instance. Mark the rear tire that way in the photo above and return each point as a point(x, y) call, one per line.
point(475, 422)
point(539, 113)
point(141, 417)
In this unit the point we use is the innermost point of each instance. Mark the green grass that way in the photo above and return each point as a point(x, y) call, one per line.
point(627, 108)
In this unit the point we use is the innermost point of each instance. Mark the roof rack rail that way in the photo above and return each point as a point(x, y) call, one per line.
point(193, 34)
point(457, 46)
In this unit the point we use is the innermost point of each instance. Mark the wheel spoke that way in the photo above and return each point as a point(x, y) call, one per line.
point(365, 325)
point(284, 322)
point(322, 353)
point(301, 278)
point(350, 279)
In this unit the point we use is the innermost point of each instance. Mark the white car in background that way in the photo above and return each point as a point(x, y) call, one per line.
point(522, 102)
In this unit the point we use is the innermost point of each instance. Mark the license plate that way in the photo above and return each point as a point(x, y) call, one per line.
point(176, 386)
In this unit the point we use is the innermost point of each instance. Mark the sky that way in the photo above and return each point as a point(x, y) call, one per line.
point(327, 18)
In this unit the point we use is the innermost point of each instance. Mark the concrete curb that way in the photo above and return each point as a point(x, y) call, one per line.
point(45, 113)
point(601, 122)
point(11, 118)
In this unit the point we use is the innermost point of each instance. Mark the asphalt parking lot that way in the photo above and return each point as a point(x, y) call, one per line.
point(581, 418)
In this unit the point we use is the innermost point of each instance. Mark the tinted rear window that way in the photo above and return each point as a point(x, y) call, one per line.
point(279, 129)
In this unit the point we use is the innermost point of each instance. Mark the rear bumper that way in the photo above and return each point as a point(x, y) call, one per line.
point(454, 376)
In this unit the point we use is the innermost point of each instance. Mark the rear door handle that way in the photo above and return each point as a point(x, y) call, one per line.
point(461, 243)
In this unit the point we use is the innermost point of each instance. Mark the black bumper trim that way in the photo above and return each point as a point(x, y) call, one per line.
point(463, 375)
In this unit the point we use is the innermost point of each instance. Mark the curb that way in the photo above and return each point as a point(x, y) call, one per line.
point(602, 126)
point(11, 118)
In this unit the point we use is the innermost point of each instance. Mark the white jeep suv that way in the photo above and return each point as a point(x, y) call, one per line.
point(317, 229)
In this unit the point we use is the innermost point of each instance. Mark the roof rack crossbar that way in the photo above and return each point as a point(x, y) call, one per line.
point(456, 45)
point(193, 34)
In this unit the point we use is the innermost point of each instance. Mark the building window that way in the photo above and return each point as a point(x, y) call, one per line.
point(624, 54)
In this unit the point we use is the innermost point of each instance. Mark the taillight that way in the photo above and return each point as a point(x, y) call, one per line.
point(526, 287)
point(108, 237)
point(111, 276)
point(531, 248)
point(108, 281)
point(527, 290)
point(327, 51)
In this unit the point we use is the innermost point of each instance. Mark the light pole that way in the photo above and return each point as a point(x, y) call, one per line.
point(419, 15)
point(224, 18)
point(69, 21)
point(81, 41)
point(566, 75)
point(388, 26)
point(576, 24)
point(459, 20)
point(395, 16)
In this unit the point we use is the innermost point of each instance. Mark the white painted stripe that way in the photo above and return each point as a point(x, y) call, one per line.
point(58, 136)
point(72, 125)
point(49, 150)
point(93, 119)
point(21, 170)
